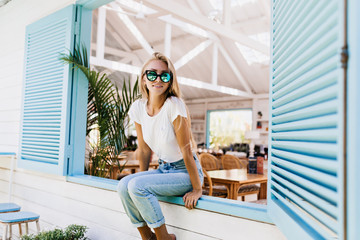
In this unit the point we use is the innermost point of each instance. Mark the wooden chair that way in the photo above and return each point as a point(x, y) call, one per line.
point(232, 162)
point(209, 162)
point(213, 190)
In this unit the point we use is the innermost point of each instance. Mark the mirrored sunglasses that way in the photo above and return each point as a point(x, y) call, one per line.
point(152, 76)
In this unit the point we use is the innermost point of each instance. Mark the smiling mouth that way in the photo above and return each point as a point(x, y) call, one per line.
point(157, 86)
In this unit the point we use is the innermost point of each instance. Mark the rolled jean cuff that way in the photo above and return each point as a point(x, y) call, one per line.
point(139, 224)
point(157, 224)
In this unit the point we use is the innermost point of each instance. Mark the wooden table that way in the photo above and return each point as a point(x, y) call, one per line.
point(233, 179)
point(133, 165)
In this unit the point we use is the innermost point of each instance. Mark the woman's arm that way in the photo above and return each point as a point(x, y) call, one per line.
point(182, 133)
point(143, 152)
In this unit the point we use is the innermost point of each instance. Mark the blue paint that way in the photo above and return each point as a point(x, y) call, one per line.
point(44, 147)
point(92, 4)
point(79, 98)
point(247, 210)
point(7, 154)
point(353, 122)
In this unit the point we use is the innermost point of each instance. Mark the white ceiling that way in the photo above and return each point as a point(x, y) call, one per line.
point(130, 35)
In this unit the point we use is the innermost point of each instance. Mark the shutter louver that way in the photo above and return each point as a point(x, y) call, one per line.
point(306, 139)
point(46, 103)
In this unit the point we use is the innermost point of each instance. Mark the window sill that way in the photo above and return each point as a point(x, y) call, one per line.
point(251, 211)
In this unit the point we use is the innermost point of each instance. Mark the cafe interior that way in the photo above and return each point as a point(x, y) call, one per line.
point(222, 66)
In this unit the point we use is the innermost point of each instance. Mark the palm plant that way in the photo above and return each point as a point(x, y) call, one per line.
point(107, 111)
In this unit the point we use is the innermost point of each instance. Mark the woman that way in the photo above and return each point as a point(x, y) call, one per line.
point(163, 126)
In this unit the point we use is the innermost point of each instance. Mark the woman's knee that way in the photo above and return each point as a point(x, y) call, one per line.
point(122, 187)
point(136, 186)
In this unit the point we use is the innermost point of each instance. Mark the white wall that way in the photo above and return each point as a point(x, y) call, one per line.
point(61, 203)
point(14, 17)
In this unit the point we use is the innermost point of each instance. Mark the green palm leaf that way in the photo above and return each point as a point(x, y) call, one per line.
point(107, 109)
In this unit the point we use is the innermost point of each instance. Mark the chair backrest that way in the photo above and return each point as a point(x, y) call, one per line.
point(206, 175)
point(208, 161)
point(232, 162)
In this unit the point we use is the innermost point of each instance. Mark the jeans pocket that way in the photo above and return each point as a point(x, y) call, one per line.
point(179, 165)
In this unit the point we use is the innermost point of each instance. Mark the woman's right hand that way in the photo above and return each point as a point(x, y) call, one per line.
point(191, 198)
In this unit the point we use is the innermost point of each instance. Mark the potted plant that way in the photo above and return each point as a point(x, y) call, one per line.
point(107, 112)
point(72, 232)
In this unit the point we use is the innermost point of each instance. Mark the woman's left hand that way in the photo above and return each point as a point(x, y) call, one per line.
point(191, 198)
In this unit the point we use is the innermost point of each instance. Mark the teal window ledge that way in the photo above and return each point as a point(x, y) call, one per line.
point(251, 211)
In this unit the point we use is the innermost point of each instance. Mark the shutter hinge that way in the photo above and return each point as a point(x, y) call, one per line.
point(77, 28)
point(344, 56)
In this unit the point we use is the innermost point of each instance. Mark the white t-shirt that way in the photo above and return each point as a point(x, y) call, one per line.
point(158, 131)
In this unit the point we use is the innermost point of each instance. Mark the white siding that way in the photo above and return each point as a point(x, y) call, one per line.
point(61, 203)
point(14, 17)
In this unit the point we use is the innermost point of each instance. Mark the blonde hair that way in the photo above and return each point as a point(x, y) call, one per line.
point(172, 90)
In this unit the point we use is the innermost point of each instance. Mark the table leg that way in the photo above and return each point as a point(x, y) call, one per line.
point(263, 190)
point(234, 188)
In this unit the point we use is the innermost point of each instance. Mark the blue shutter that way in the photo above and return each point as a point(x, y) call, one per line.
point(46, 94)
point(306, 168)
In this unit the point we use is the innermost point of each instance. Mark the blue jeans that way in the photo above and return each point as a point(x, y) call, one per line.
point(138, 191)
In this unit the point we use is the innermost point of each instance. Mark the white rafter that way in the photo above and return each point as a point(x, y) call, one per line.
point(133, 29)
point(191, 54)
point(122, 67)
point(100, 36)
point(116, 36)
point(235, 70)
point(182, 12)
point(187, 27)
point(182, 80)
point(167, 40)
point(227, 13)
point(115, 52)
point(215, 60)
point(193, 6)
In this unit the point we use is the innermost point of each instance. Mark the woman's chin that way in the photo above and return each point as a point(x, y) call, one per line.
point(157, 91)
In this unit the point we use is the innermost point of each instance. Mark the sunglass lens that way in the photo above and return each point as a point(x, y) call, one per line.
point(151, 76)
point(165, 77)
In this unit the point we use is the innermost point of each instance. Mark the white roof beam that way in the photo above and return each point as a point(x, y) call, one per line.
point(112, 30)
point(182, 12)
point(227, 13)
point(209, 86)
point(126, 60)
point(187, 27)
point(182, 80)
point(258, 24)
point(117, 66)
point(194, 6)
point(191, 54)
point(133, 29)
point(100, 35)
point(215, 60)
point(115, 52)
point(235, 69)
point(266, 8)
point(167, 40)
point(217, 99)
